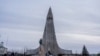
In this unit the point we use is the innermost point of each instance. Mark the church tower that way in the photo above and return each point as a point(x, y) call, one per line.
point(49, 37)
point(49, 42)
point(85, 52)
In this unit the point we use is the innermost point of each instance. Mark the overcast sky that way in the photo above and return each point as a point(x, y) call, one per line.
point(77, 23)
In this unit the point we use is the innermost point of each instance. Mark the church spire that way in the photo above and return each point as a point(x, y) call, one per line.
point(50, 15)
point(85, 52)
point(49, 37)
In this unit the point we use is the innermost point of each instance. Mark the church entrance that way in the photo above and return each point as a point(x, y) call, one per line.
point(60, 54)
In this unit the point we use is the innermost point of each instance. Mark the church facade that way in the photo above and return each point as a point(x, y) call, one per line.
point(49, 42)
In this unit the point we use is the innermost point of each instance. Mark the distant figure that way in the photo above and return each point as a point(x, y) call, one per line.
point(49, 53)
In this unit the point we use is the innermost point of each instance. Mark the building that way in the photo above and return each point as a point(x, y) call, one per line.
point(3, 50)
point(49, 37)
point(49, 41)
point(84, 51)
